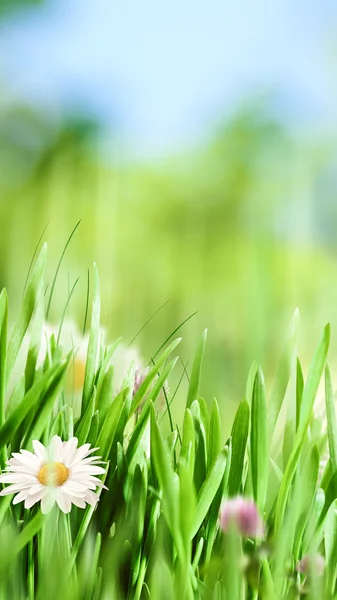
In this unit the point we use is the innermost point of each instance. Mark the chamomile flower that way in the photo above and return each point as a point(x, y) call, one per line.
point(61, 473)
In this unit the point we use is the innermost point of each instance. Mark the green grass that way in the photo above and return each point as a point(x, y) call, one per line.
point(155, 533)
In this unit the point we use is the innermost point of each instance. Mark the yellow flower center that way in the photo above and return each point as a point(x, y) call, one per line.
point(78, 374)
point(53, 473)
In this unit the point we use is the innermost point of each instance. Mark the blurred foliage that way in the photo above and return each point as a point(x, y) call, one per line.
point(233, 230)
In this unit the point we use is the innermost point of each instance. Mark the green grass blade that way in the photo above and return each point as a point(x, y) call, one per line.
point(187, 452)
point(193, 389)
point(239, 436)
point(148, 321)
point(42, 415)
point(33, 257)
point(105, 392)
point(93, 346)
point(331, 548)
point(209, 490)
point(32, 293)
point(137, 434)
point(214, 443)
point(36, 396)
point(106, 435)
point(331, 418)
point(144, 387)
point(159, 385)
point(309, 394)
point(308, 483)
point(167, 480)
point(250, 381)
point(299, 391)
point(65, 310)
point(28, 532)
point(172, 334)
point(283, 374)
point(187, 508)
point(259, 442)
point(58, 269)
point(83, 426)
point(3, 352)
point(86, 304)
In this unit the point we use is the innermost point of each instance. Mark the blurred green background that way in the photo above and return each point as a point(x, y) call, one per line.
point(234, 217)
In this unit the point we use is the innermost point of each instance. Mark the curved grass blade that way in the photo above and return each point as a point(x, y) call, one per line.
point(283, 374)
point(299, 391)
point(30, 299)
point(148, 321)
point(33, 257)
point(86, 304)
point(93, 346)
point(58, 268)
point(173, 333)
point(193, 389)
point(65, 310)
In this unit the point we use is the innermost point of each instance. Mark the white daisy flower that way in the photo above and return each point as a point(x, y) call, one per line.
point(60, 473)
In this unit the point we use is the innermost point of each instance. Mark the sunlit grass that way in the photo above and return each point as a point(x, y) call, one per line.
point(155, 533)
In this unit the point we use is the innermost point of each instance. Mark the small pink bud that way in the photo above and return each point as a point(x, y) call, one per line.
point(314, 563)
point(139, 378)
point(243, 514)
point(140, 375)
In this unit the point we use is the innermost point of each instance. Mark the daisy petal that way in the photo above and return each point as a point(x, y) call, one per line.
point(80, 453)
point(92, 460)
point(47, 502)
point(91, 498)
point(13, 489)
point(78, 486)
point(69, 451)
point(33, 498)
point(88, 482)
point(87, 469)
point(20, 496)
point(21, 469)
point(26, 460)
point(17, 477)
point(13, 461)
point(40, 451)
point(73, 492)
point(55, 450)
point(32, 458)
point(37, 487)
point(80, 502)
point(63, 501)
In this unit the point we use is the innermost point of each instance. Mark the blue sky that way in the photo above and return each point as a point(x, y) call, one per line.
point(162, 73)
